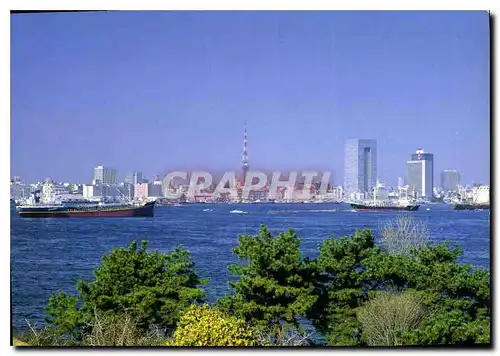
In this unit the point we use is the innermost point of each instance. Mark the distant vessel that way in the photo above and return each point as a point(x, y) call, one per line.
point(236, 211)
point(400, 204)
point(384, 205)
point(471, 206)
point(480, 200)
point(68, 209)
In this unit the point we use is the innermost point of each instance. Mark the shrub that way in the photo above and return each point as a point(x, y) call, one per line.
point(388, 316)
point(457, 296)
point(283, 335)
point(403, 233)
point(17, 342)
point(119, 330)
point(42, 337)
point(207, 326)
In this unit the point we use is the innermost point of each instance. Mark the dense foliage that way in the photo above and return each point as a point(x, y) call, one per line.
point(274, 285)
point(152, 288)
point(207, 326)
point(341, 286)
point(354, 293)
point(351, 271)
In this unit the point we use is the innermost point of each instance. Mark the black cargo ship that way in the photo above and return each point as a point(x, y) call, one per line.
point(471, 206)
point(384, 206)
point(71, 209)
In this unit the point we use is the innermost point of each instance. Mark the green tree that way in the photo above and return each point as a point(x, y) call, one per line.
point(152, 288)
point(274, 285)
point(457, 296)
point(349, 272)
point(341, 286)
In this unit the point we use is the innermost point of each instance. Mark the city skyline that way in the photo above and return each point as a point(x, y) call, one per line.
point(152, 92)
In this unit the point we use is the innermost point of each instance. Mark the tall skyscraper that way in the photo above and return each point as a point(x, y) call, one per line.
point(420, 174)
point(133, 178)
point(104, 175)
point(450, 179)
point(360, 166)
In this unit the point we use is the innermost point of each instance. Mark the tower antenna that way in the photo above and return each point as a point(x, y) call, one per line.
point(244, 159)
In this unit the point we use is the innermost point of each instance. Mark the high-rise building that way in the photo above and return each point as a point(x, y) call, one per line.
point(360, 166)
point(450, 179)
point(104, 175)
point(420, 174)
point(133, 178)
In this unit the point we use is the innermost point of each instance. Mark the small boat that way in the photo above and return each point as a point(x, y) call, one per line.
point(236, 211)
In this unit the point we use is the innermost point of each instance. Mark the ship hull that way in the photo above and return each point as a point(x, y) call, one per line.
point(471, 206)
point(146, 210)
point(370, 207)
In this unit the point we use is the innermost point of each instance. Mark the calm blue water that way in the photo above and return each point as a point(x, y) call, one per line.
point(52, 254)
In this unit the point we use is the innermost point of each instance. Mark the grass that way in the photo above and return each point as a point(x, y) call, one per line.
point(17, 342)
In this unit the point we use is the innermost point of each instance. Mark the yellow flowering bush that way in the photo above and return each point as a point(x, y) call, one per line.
point(207, 326)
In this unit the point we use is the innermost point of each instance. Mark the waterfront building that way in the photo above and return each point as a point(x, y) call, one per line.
point(360, 166)
point(259, 195)
point(420, 174)
point(16, 180)
point(335, 194)
point(141, 191)
point(155, 189)
point(19, 191)
point(133, 178)
point(91, 191)
point(104, 175)
point(148, 190)
point(450, 180)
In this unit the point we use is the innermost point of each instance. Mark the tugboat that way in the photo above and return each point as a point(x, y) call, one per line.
point(69, 209)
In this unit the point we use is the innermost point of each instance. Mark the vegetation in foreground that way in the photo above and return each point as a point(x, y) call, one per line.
point(402, 292)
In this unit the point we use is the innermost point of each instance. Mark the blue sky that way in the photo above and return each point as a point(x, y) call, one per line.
point(156, 91)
